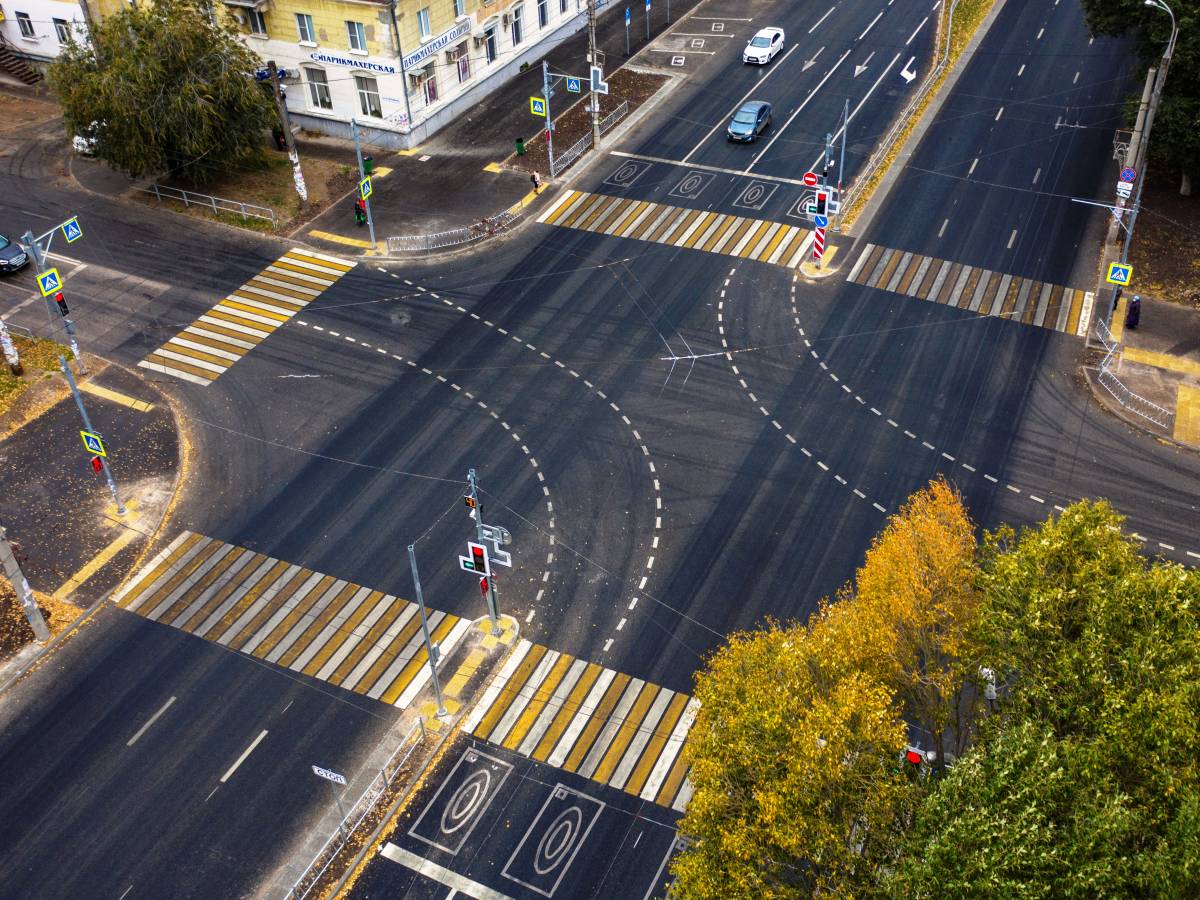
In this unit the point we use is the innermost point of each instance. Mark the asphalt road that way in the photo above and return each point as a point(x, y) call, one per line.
point(660, 493)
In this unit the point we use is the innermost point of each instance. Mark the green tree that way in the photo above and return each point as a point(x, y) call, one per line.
point(1086, 780)
point(164, 88)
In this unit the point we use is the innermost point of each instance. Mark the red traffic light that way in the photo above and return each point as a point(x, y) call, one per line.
point(97, 465)
point(483, 586)
point(479, 558)
point(914, 757)
point(62, 303)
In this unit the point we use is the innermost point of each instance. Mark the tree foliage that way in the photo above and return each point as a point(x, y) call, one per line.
point(163, 88)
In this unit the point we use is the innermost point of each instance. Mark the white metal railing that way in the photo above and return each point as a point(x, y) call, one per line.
point(572, 153)
point(312, 876)
point(614, 117)
point(216, 204)
point(1135, 403)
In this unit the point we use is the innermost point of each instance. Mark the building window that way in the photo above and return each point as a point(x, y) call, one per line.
point(357, 35)
point(304, 25)
point(26, 25)
point(429, 85)
point(460, 8)
point(257, 22)
point(318, 89)
point(543, 13)
point(463, 61)
point(517, 33)
point(489, 44)
point(562, 6)
point(368, 96)
point(423, 26)
point(62, 28)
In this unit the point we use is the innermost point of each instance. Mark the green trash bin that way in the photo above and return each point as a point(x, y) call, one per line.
point(368, 164)
point(520, 146)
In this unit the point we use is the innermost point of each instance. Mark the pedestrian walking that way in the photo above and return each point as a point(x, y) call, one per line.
point(537, 182)
point(1134, 313)
point(360, 211)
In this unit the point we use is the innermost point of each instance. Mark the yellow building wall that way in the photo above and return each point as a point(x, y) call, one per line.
point(329, 23)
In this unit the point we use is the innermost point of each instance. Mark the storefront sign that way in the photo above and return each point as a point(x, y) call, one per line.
point(441, 42)
point(351, 63)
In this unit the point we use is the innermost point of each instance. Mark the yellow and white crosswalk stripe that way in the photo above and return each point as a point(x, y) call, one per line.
point(240, 322)
point(348, 635)
point(979, 290)
point(585, 718)
point(695, 229)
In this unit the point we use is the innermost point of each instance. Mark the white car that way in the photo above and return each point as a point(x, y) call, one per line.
point(763, 46)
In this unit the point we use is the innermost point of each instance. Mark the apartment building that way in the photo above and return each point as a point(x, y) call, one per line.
point(33, 32)
point(402, 68)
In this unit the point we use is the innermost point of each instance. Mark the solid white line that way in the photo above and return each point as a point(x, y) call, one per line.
point(241, 759)
point(779, 132)
point(822, 19)
point(149, 722)
point(441, 874)
point(703, 168)
point(869, 27)
point(725, 118)
point(854, 112)
point(914, 34)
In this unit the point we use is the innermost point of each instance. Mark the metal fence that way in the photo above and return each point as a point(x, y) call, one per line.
point(1135, 403)
point(379, 785)
point(485, 227)
point(572, 153)
point(614, 117)
point(216, 204)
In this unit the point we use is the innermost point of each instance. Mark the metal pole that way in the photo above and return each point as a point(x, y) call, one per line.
point(34, 246)
point(21, 588)
point(341, 810)
point(361, 175)
point(627, 17)
point(493, 606)
point(825, 170)
point(592, 62)
point(400, 56)
point(289, 140)
point(647, 21)
point(842, 161)
point(549, 117)
point(87, 424)
point(437, 686)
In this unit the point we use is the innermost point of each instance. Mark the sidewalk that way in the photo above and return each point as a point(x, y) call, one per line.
point(456, 179)
point(1160, 361)
point(77, 547)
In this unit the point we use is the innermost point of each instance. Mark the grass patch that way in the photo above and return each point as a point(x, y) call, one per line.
point(968, 16)
point(39, 358)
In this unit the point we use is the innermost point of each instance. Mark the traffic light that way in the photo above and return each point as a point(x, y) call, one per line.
point(62, 304)
point(97, 465)
point(822, 203)
point(478, 558)
point(483, 586)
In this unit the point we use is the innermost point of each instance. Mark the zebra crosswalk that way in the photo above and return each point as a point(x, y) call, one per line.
point(696, 229)
point(585, 718)
point(981, 291)
point(359, 639)
point(235, 326)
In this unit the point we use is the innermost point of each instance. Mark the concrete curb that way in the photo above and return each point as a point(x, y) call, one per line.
point(1105, 401)
point(909, 147)
point(151, 540)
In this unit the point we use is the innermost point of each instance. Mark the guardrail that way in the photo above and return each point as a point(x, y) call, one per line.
point(576, 150)
point(1135, 403)
point(216, 204)
point(614, 117)
point(485, 227)
point(312, 876)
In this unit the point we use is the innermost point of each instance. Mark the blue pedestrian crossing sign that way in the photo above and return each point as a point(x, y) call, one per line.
point(1120, 273)
point(49, 282)
point(93, 442)
point(71, 231)
point(365, 188)
point(537, 106)
point(573, 85)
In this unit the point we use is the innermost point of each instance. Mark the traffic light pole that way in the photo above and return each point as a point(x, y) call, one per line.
point(87, 424)
point(437, 686)
point(39, 257)
point(20, 585)
point(362, 175)
point(549, 117)
point(492, 593)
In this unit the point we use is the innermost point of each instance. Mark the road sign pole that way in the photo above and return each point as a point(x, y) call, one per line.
point(437, 685)
point(492, 604)
point(87, 424)
point(549, 118)
point(20, 586)
point(592, 62)
point(842, 161)
point(337, 798)
point(361, 177)
point(627, 18)
point(647, 21)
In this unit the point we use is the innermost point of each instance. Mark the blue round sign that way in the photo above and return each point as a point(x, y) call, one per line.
point(821, 221)
point(1128, 175)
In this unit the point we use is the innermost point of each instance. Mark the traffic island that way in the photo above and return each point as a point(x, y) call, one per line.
point(347, 833)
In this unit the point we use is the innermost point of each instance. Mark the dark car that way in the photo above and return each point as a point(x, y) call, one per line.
point(12, 257)
point(750, 121)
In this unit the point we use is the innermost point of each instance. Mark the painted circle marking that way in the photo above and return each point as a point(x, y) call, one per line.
point(466, 800)
point(557, 840)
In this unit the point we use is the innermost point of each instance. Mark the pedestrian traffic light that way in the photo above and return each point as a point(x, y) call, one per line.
point(483, 586)
point(478, 558)
point(97, 465)
point(822, 203)
point(62, 304)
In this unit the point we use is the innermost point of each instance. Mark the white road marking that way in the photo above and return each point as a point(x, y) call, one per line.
point(608, 644)
point(1165, 546)
point(878, 16)
point(241, 759)
point(991, 478)
point(974, 163)
point(1036, 499)
point(914, 34)
point(151, 721)
point(942, 230)
point(779, 131)
point(822, 19)
point(878, 507)
point(1011, 239)
point(1041, 31)
point(1075, 80)
point(1037, 175)
point(440, 874)
point(1021, 71)
point(999, 113)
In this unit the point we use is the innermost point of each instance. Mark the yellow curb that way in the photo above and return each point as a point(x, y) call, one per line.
point(1187, 415)
point(72, 584)
point(812, 271)
point(338, 239)
point(115, 518)
point(411, 151)
point(493, 168)
point(1161, 361)
point(115, 396)
point(381, 171)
